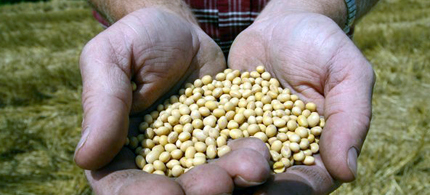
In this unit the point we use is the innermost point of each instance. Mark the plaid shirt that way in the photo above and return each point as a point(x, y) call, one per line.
point(223, 20)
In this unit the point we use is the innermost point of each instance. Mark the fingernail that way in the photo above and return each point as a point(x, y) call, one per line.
point(352, 160)
point(84, 138)
point(249, 183)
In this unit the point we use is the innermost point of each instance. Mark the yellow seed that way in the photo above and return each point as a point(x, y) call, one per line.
point(223, 150)
point(162, 131)
point(148, 143)
point(314, 147)
point(260, 69)
point(225, 133)
point(163, 140)
point(302, 121)
point(158, 172)
point(275, 155)
point(267, 120)
point(177, 171)
point(172, 163)
point(311, 106)
point(176, 154)
point(294, 147)
point(282, 137)
point(271, 140)
point(322, 122)
point(271, 131)
point(232, 125)
point(183, 147)
point(307, 152)
point(197, 123)
point(289, 104)
point(164, 157)
point(148, 168)
point(220, 76)
point(170, 147)
point(286, 162)
point(143, 126)
point(276, 146)
point(210, 121)
point(294, 138)
point(133, 142)
point(316, 130)
point(219, 112)
point(184, 136)
point(309, 160)
point(190, 152)
point(313, 119)
point(235, 134)
point(158, 165)
point(204, 111)
point(200, 147)
point(279, 122)
point(302, 132)
point(140, 161)
point(221, 141)
point(210, 141)
point(262, 136)
point(200, 135)
point(286, 152)
point(206, 79)
point(299, 156)
point(199, 161)
point(152, 156)
point(291, 125)
point(173, 137)
point(294, 98)
point(300, 104)
point(304, 144)
point(296, 111)
point(211, 152)
point(254, 74)
point(266, 76)
point(211, 105)
point(306, 113)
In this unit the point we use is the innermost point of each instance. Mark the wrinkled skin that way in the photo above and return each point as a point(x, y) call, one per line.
point(312, 56)
point(308, 53)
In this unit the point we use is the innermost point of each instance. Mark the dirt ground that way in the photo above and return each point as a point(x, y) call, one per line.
point(40, 85)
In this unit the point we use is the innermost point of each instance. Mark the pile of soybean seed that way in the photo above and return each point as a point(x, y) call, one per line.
point(194, 127)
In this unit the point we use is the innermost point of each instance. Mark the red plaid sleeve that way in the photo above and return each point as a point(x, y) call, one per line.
point(223, 20)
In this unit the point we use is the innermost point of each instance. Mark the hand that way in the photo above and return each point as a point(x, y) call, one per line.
point(309, 54)
point(156, 49)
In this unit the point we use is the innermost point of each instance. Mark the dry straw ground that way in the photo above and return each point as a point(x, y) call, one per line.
point(40, 88)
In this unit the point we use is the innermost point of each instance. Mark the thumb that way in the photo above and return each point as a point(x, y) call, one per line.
point(347, 110)
point(106, 99)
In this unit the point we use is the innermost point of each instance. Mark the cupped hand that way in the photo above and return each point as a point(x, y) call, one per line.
point(157, 50)
point(309, 54)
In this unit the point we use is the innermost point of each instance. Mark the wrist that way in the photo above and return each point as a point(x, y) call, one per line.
point(334, 9)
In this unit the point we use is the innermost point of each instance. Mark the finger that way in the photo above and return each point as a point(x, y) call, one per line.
point(250, 143)
point(120, 176)
point(247, 167)
point(206, 179)
point(348, 93)
point(300, 179)
point(106, 100)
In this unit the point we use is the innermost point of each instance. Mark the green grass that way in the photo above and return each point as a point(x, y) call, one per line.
point(40, 86)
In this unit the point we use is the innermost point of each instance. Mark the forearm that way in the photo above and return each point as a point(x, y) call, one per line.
point(113, 10)
point(334, 9)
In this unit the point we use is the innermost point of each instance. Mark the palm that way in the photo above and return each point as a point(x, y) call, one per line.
point(311, 55)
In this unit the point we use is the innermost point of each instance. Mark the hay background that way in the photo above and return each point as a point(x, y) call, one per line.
point(40, 88)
